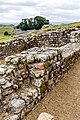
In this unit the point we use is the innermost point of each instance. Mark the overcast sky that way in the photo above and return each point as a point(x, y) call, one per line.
point(12, 11)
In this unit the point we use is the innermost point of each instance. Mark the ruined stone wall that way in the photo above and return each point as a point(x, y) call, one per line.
point(27, 76)
point(55, 38)
point(15, 45)
point(75, 36)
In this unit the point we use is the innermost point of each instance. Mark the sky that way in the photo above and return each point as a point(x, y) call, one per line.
point(57, 11)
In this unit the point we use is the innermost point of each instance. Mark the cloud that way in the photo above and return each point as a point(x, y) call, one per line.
point(54, 10)
point(18, 2)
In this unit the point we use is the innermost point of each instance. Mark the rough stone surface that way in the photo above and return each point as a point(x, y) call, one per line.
point(54, 38)
point(63, 102)
point(45, 116)
point(28, 75)
point(17, 105)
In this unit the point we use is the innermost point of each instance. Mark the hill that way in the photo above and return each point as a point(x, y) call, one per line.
point(62, 26)
point(53, 27)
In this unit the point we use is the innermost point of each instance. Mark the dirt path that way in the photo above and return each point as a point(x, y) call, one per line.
point(64, 101)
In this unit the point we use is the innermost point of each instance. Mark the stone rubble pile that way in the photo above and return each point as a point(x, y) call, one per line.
point(27, 76)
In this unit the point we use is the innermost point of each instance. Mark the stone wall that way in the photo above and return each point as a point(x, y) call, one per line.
point(75, 36)
point(55, 38)
point(15, 45)
point(27, 76)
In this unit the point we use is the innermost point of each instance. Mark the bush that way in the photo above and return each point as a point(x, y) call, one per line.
point(6, 33)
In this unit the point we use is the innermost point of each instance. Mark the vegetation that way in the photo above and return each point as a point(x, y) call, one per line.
point(62, 26)
point(6, 33)
point(4, 28)
point(53, 27)
point(32, 23)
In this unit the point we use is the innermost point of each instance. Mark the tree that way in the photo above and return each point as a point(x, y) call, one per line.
point(23, 26)
point(32, 23)
point(39, 21)
point(6, 33)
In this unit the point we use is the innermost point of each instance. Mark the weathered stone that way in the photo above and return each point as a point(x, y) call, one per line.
point(2, 70)
point(45, 116)
point(34, 92)
point(39, 66)
point(9, 71)
point(8, 59)
point(0, 94)
point(30, 58)
point(17, 105)
point(7, 85)
point(3, 81)
point(38, 82)
point(14, 117)
point(37, 73)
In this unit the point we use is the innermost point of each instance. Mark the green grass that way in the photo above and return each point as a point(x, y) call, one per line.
point(4, 38)
point(62, 26)
point(2, 30)
point(53, 27)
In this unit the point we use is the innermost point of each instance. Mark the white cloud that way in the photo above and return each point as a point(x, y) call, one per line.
point(54, 10)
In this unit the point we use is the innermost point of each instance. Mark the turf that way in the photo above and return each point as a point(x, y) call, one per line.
point(2, 30)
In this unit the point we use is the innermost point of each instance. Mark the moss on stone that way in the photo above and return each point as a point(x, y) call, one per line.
point(47, 63)
point(36, 42)
point(43, 87)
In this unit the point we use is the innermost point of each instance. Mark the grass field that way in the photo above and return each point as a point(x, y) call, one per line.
point(2, 30)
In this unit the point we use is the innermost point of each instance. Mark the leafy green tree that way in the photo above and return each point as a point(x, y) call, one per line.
point(6, 33)
point(32, 23)
point(22, 26)
point(39, 21)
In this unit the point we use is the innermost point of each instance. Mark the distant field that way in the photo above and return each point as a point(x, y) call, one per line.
point(2, 30)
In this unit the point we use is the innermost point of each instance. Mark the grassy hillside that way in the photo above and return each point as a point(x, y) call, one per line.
point(62, 26)
point(53, 27)
point(4, 28)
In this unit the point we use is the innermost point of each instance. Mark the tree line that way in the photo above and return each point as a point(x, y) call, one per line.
point(32, 23)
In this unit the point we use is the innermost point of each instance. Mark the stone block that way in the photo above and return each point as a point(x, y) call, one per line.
point(45, 116)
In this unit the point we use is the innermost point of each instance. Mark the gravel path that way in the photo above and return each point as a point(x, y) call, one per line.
point(64, 101)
